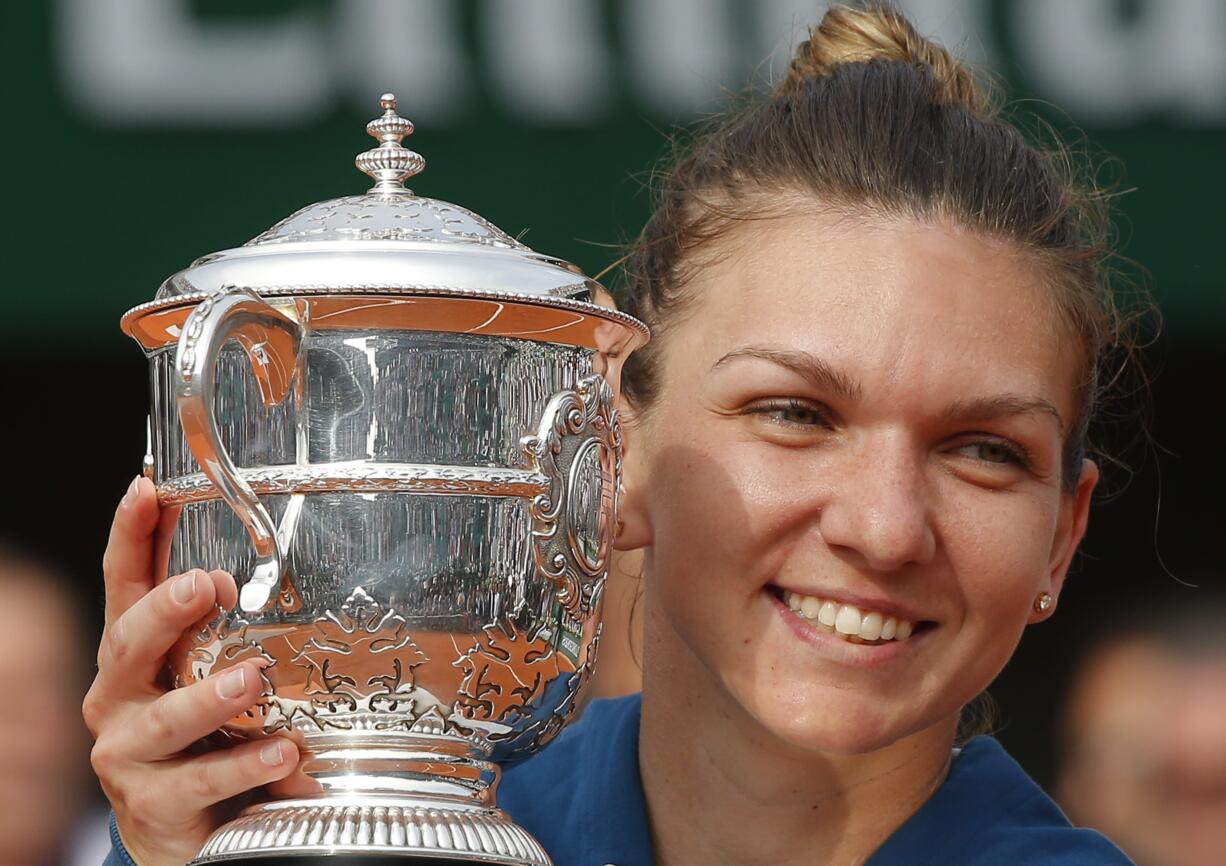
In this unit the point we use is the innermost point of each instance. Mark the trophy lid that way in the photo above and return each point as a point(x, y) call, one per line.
point(389, 241)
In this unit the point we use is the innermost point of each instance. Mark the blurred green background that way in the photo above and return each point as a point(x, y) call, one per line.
point(154, 131)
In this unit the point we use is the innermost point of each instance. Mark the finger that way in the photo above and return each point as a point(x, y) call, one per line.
point(196, 783)
point(297, 783)
point(127, 565)
point(163, 538)
point(166, 726)
point(225, 592)
point(134, 647)
point(225, 588)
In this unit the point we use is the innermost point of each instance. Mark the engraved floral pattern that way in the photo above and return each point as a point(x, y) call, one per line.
point(504, 671)
point(222, 643)
point(360, 659)
point(545, 718)
point(361, 627)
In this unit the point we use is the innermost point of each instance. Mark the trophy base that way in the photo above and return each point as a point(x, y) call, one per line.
point(347, 860)
point(372, 830)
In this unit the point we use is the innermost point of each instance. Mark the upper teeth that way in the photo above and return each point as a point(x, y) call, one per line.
point(848, 621)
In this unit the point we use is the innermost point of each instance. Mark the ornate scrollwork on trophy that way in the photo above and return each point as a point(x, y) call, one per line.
point(504, 671)
point(359, 662)
point(543, 731)
point(578, 449)
point(222, 643)
point(554, 705)
point(347, 640)
point(354, 669)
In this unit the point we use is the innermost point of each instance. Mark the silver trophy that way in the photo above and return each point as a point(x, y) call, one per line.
point(394, 424)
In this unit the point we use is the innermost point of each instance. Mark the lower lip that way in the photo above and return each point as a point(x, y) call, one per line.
point(844, 651)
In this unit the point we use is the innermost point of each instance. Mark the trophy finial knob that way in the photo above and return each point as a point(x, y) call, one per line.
point(390, 164)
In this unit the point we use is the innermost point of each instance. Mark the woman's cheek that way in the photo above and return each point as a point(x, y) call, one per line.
point(999, 546)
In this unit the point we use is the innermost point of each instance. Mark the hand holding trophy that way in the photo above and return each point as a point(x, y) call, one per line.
point(166, 802)
point(395, 426)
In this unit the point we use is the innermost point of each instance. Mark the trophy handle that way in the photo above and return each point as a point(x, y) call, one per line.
point(578, 449)
point(273, 343)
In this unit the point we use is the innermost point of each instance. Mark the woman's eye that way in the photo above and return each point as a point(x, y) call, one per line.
point(793, 413)
point(994, 452)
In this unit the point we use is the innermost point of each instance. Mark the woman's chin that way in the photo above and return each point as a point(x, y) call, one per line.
point(840, 727)
point(838, 737)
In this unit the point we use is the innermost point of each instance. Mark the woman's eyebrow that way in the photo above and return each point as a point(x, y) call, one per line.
point(818, 372)
point(1000, 406)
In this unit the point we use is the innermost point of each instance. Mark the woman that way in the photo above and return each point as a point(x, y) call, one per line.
point(855, 466)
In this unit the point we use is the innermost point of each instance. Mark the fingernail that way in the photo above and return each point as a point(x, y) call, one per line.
point(184, 588)
point(133, 491)
point(232, 683)
point(271, 754)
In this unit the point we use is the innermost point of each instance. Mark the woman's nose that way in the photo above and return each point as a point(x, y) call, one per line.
point(878, 508)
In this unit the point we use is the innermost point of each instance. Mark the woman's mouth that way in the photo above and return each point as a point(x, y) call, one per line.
point(847, 621)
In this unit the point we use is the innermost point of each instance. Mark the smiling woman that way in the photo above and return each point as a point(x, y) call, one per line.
point(856, 467)
point(857, 470)
point(897, 452)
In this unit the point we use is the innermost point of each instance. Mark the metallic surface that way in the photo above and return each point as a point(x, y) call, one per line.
point(382, 827)
point(370, 257)
point(416, 307)
point(382, 397)
point(362, 477)
point(388, 240)
point(414, 639)
point(395, 426)
point(272, 340)
point(572, 531)
point(389, 164)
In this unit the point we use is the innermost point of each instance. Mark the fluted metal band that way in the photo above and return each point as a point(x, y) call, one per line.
point(306, 827)
point(364, 477)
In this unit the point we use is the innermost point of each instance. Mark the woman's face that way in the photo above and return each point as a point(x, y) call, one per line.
point(862, 419)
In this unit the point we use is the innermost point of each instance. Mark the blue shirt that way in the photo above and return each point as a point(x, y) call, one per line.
point(582, 798)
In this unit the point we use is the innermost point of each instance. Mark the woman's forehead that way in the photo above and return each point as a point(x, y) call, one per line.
point(886, 295)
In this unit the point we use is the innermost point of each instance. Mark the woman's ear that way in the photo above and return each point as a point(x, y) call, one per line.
point(1070, 530)
point(632, 526)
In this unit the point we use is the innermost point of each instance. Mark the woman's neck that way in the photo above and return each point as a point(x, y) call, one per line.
point(721, 789)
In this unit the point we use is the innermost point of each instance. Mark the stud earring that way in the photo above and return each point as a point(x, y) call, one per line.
point(1044, 602)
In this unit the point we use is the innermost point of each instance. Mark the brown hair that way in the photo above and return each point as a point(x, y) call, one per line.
point(872, 117)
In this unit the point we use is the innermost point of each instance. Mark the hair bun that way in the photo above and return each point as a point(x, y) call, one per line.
point(880, 32)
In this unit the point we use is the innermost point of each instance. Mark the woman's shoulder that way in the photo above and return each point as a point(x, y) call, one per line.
point(990, 811)
point(603, 725)
point(582, 797)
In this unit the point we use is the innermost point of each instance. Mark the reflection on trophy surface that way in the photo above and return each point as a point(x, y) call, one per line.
point(394, 425)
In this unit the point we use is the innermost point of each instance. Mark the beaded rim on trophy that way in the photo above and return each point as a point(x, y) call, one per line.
point(395, 425)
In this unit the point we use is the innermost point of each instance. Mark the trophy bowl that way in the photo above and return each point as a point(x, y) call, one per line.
point(395, 426)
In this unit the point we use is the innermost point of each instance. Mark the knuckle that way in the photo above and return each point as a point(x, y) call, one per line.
point(206, 783)
point(145, 801)
point(161, 726)
point(92, 711)
point(103, 760)
point(117, 641)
